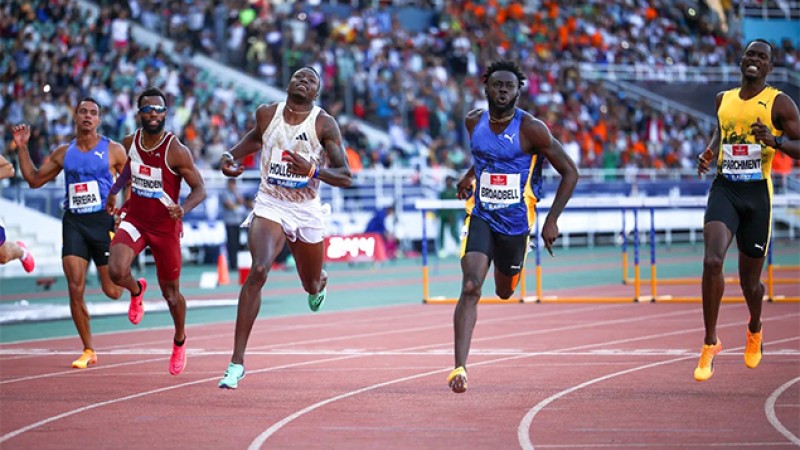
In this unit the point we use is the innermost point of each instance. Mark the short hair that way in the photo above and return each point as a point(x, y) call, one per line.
point(90, 99)
point(504, 66)
point(151, 92)
point(763, 41)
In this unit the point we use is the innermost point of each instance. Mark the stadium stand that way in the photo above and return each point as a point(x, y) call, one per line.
point(627, 104)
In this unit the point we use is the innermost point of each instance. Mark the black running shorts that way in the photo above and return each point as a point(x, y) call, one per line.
point(87, 236)
point(506, 251)
point(746, 209)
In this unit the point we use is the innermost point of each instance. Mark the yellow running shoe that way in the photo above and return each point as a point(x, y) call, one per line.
point(705, 367)
point(754, 349)
point(457, 380)
point(88, 357)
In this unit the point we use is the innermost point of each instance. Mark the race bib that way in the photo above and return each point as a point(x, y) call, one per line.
point(84, 197)
point(146, 180)
point(279, 174)
point(499, 190)
point(741, 162)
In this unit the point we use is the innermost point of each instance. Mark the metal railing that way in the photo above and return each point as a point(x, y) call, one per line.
point(676, 73)
point(778, 9)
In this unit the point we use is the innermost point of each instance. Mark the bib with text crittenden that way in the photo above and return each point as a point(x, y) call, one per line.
point(499, 190)
point(741, 162)
point(84, 197)
point(146, 180)
point(279, 173)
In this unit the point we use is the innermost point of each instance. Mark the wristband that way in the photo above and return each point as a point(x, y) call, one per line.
point(228, 155)
point(312, 171)
point(316, 172)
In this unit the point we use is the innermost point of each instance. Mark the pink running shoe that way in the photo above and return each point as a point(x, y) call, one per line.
point(136, 310)
point(27, 258)
point(177, 361)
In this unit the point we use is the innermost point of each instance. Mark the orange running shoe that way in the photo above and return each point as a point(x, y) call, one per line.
point(705, 367)
point(136, 309)
point(457, 380)
point(88, 357)
point(754, 348)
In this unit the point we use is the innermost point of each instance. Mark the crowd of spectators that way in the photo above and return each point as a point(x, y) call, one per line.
point(413, 76)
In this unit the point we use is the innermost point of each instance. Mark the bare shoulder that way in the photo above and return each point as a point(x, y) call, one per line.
point(127, 141)
point(115, 147)
point(176, 145)
point(59, 153)
point(533, 124)
point(786, 103)
point(325, 119)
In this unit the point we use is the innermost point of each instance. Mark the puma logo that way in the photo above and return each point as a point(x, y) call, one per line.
point(99, 155)
point(764, 104)
point(510, 138)
point(758, 246)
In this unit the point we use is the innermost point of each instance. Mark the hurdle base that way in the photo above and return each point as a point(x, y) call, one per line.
point(482, 301)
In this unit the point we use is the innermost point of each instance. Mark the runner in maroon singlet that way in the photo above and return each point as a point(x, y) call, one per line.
point(157, 162)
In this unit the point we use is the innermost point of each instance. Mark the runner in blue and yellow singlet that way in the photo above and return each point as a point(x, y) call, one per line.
point(507, 146)
point(754, 121)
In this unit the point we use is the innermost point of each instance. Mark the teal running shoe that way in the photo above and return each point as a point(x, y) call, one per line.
point(232, 376)
point(315, 301)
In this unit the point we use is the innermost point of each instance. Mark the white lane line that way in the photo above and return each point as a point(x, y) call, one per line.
point(360, 336)
point(614, 352)
point(524, 429)
point(263, 437)
point(769, 408)
point(156, 391)
point(38, 424)
point(74, 371)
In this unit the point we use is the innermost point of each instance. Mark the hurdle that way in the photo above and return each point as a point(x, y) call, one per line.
point(771, 280)
point(637, 282)
point(425, 205)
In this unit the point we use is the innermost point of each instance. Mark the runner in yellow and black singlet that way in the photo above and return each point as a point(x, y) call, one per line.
point(754, 121)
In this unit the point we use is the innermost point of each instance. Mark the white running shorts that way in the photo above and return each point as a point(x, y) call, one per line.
point(304, 221)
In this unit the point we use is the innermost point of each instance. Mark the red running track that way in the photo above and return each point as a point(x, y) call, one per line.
point(541, 376)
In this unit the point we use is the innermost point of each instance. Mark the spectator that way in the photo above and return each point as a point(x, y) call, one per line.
point(232, 216)
point(383, 222)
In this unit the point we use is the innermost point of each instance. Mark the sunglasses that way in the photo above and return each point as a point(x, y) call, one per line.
point(147, 109)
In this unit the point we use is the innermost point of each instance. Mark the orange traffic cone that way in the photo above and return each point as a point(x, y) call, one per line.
point(223, 277)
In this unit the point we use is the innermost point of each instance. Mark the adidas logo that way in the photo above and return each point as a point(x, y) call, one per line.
point(301, 137)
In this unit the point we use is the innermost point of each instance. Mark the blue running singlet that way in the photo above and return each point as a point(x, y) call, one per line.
point(504, 195)
point(87, 178)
